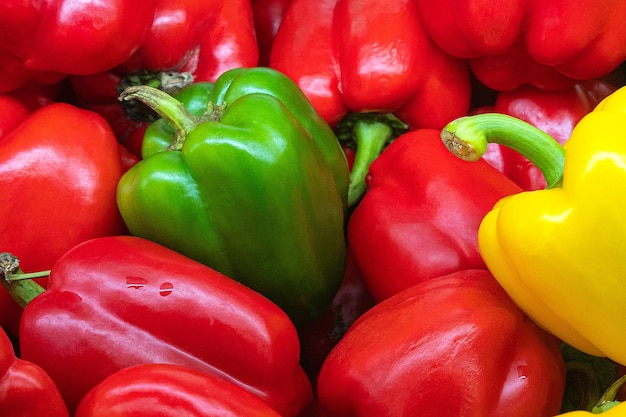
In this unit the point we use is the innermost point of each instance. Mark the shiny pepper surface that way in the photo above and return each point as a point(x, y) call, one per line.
point(121, 301)
point(546, 43)
point(25, 389)
point(259, 192)
point(559, 252)
point(178, 390)
point(455, 345)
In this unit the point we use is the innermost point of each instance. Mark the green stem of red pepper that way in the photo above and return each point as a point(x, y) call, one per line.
point(19, 285)
point(172, 110)
point(370, 134)
point(467, 138)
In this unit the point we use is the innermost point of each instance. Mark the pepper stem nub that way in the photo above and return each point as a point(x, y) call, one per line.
point(19, 285)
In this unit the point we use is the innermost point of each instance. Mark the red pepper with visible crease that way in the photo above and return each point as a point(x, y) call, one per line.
point(196, 40)
point(178, 391)
point(47, 40)
point(371, 65)
point(268, 15)
point(25, 389)
point(455, 345)
point(419, 218)
point(554, 112)
point(120, 301)
point(204, 38)
point(545, 43)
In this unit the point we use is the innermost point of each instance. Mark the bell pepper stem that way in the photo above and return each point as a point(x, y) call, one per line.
point(166, 107)
point(371, 138)
point(19, 285)
point(467, 137)
point(607, 400)
point(370, 133)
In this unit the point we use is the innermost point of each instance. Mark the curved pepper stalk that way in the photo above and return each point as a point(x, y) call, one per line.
point(467, 138)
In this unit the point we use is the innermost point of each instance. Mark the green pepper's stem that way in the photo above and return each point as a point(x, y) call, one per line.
point(22, 290)
point(371, 133)
point(165, 106)
point(467, 137)
point(607, 400)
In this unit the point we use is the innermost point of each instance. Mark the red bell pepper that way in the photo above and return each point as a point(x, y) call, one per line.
point(204, 38)
point(59, 170)
point(198, 39)
point(356, 57)
point(546, 43)
point(419, 218)
point(25, 389)
point(115, 302)
point(455, 345)
point(554, 112)
point(268, 15)
point(178, 391)
point(53, 38)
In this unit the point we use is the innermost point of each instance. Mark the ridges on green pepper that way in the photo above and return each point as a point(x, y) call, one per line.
point(254, 186)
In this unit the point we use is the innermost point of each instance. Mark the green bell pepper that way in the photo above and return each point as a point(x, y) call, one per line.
point(244, 176)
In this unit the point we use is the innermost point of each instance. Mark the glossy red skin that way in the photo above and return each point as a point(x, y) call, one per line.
point(177, 28)
point(455, 345)
point(203, 38)
point(362, 56)
point(74, 37)
point(12, 113)
point(178, 391)
point(230, 43)
point(59, 171)
point(419, 218)
point(515, 42)
point(554, 112)
point(108, 307)
point(25, 389)
point(268, 15)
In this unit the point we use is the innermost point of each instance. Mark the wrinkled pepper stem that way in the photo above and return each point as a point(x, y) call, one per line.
point(370, 133)
point(171, 110)
point(467, 137)
point(170, 82)
point(19, 285)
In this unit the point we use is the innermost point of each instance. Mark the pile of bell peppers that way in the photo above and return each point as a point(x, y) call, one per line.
point(265, 208)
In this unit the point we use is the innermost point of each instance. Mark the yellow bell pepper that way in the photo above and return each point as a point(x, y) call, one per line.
point(617, 411)
point(560, 253)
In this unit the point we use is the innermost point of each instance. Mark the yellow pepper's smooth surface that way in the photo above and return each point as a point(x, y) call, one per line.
point(561, 253)
point(617, 411)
